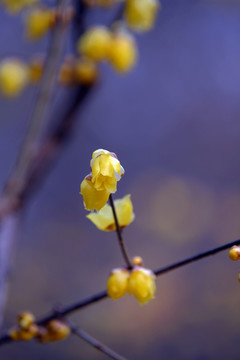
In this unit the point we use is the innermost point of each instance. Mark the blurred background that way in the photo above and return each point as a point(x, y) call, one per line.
point(174, 124)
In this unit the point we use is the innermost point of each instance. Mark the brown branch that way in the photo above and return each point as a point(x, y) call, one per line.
point(11, 199)
point(5, 338)
point(95, 343)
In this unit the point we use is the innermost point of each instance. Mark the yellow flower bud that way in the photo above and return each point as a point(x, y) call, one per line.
point(106, 170)
point(86, 71)
point(25, 319)
point(140, 15)
point(36, 69)
point(14, 77)
point(234, 253)
point(94, 44)
point(141, 284)
point(18, 334)
point(137, 261)
point(66, 74)
point(92, 198)
point(15, 6)
point(104, 219)
point(117, 284)
point(38, 22)
point(55, 330)
point(122, 53)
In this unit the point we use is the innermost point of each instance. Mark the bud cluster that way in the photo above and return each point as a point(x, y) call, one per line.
point(27, 329)
point(139, 282)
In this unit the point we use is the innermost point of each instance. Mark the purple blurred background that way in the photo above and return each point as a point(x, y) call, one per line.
point(174, 124)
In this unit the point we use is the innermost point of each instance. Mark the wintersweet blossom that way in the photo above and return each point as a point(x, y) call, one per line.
point(94, 43)
point(14, 76)
point(104, 219)
point(15, 6)
point(123, 52)
point(141, 14)
point(93, 199)
point(106, 170)
point(38, 22)
point(117, 284)
point(141, 284)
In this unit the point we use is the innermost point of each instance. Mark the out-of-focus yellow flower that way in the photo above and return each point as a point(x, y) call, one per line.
point(38, 22)
point(36, 68)
point(14, 76)
point(106, 170)
point(25, 320)
point(234, 253)
point(95, 43)
point(93, 199)
point(122, 52)
point(104, 219)
point(117, 284)
point(15, 6)
point(141, 14)
point(86, 71)
point(141, 284)
point(137, 261)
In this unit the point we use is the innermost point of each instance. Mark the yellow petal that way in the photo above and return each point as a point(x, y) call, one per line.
point(141, 284)
point(104, 219)
point(92, 198)
point(117, 284)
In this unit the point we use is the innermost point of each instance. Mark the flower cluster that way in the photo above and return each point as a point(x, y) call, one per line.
point(117, 47)
point(139, 282)
point(27, 329)
point(102, 181)
point(14, 6)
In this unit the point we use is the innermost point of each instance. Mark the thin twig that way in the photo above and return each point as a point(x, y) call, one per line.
point(119, 235)
point(5, 338)
point(194, 258)
point(95, 343)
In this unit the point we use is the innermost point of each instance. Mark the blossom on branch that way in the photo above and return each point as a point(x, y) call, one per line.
point(98, 185)
point(141, 284)
point(117, 284)
point(104, 219)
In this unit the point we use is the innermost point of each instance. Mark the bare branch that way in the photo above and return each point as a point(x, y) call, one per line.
point(11, 199)
point(95, 343)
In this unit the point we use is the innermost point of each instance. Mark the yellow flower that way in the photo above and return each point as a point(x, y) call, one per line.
point(234, 253)
point(141, 14)
point(15, 6)
point(106, 170)
point(86, 71)
point(104, 219)
point(14, 76)
point(122, 52)
point(117, 285)
point(141, 284)
point(38, 22)
point(92, 198)
point(94, 44)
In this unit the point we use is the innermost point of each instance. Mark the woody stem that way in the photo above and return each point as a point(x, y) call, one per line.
point(119, 235)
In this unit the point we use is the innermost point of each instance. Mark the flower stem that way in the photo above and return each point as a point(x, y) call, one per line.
point(119, 235)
